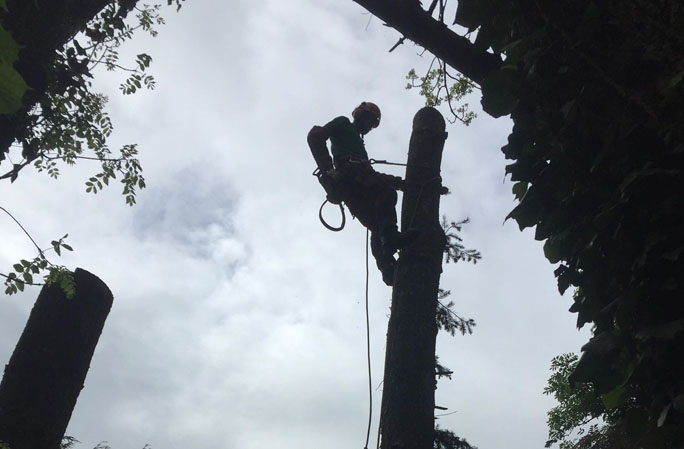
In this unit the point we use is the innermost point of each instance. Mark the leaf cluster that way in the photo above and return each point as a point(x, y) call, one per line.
point(12, 85)
point(577, 407)
point(24, 271)
point(68, 442)
point(597, 149)
point(453, 248)
point(582, 419)
point(439, 86)
point(446, 439)
point(68, 122)
point(448, 320)
point(62, 120)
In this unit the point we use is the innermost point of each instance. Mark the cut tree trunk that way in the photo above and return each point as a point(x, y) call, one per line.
point(49, 365)
point(408, 401)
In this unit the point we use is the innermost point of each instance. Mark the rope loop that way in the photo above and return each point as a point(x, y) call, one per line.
point(327, 226)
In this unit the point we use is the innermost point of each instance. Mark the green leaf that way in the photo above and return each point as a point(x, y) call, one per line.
point(613, 398)
point(519, 189)
point(12, 85)
point(501, 91)
point(551, 251)
point(471, 13)
point(18, 267)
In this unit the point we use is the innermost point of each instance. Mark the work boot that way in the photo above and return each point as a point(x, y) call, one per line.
point(393, 241)
point(386, 266)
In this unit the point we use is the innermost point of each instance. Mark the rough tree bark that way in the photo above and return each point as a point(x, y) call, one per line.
point(49, 365)
point(408, 400)
point(411, 20)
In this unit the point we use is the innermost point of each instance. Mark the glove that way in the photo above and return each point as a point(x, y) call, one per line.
point(395, 182)
point(332, 182)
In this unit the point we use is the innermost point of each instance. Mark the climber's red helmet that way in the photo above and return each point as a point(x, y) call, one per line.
point(370, 110)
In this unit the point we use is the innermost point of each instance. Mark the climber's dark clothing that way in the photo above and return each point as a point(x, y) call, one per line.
point(344, 138)
point(370, 196)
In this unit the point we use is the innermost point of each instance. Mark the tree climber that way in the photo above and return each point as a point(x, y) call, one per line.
point(348, 176)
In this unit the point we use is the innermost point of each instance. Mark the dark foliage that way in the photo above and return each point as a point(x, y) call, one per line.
point(595, 92)
point(446, 439)
point(581, 419)
point(454, 249)
point(448, 320)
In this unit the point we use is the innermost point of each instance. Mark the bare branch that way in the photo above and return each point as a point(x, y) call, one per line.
point(23, 229)
point(417, 25)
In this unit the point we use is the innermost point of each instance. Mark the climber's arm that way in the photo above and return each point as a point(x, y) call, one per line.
point(316, 139)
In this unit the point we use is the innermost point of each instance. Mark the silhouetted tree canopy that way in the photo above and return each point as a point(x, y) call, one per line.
point(595, 92)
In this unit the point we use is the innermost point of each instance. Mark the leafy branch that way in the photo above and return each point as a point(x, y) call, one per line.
point(451, 322)
point(68, 442)
point(454, 249)
point(438, 86)
point(70, 121)
point(448, 320)
point(24, 270)
point(446, 439)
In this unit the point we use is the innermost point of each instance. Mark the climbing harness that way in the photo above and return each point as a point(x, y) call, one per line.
point(352, 160)
point(327, 226)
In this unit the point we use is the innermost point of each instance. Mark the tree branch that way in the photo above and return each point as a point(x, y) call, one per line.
point(416, 24)
point(22, 228)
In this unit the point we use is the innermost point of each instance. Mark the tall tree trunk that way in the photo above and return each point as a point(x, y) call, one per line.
point(49, 365)
point(408, 401)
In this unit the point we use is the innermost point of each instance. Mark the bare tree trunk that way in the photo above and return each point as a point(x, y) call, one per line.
point(408, 401)
point(49, 365)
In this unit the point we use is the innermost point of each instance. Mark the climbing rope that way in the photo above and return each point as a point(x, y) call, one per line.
point(370, 382)
point(332, 228)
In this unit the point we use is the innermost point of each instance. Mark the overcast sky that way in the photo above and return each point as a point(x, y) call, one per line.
point(238, 320)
